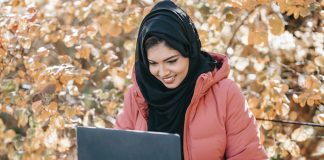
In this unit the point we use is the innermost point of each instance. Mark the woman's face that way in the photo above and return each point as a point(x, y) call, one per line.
point(167, 65)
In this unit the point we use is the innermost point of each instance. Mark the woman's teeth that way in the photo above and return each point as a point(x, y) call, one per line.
point(169, 80)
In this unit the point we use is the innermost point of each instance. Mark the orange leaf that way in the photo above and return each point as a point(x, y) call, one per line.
point(44, 115)
point(293, 115)
point(9, 135)
point(83, 52)
point(52, 107)
point(3, 53)
point(253, 102)
point(304, 12)
point(66, 78)
point(91, 30)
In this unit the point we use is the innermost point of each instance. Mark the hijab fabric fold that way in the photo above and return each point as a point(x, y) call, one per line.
point(167, 107)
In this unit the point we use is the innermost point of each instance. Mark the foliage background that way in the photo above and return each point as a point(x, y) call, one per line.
point(67, 63)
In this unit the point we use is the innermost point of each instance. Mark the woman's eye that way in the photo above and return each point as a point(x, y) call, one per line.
point(152, 63)
point(172, 61)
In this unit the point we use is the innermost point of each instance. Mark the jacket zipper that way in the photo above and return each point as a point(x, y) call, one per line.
point(187, 116)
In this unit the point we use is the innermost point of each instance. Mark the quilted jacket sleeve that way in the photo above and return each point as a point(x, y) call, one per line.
point(242, 131)
point(125, 119)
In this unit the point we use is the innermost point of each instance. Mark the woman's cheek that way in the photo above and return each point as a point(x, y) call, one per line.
point(152, 70)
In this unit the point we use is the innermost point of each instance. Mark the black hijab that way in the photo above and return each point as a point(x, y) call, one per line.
point(167, 107)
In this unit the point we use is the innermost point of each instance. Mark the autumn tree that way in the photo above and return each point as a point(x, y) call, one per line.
point(68, 63)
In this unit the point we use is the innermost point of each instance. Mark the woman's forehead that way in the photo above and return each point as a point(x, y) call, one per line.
point(161, 52)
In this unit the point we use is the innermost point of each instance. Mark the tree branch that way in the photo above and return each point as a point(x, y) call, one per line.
point(238, 27)
point(291, 122)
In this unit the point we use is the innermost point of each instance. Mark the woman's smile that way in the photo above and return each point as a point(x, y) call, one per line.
point(169, 80)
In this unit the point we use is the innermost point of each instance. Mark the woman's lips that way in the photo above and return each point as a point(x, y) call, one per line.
point(168, 80)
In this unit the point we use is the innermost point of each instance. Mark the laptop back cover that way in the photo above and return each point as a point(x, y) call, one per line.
point(111, 144)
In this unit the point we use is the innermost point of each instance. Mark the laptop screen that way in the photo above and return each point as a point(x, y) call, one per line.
point(112, 144)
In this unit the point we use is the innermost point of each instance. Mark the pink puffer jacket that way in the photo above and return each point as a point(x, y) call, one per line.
point(217, 122)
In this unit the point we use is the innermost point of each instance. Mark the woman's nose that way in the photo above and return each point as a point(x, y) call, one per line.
point(162, 71)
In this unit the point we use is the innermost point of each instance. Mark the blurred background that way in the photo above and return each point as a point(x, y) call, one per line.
point(68, 63)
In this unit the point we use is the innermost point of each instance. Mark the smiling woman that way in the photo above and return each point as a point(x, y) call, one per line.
point(166, 63)
point(178, 88)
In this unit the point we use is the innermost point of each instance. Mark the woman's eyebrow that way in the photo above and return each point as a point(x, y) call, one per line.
point(170, 58)
point(165, 59)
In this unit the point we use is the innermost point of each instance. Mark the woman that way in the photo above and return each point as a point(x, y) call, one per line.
point(177, 88)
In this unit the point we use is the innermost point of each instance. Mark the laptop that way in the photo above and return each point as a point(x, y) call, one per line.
point(112, 144)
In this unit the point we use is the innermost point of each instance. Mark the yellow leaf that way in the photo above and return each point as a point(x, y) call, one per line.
point(311, 67)
point(242, 63)
point(304, 12)
point(213, 21)
point(284, 109)
point(312, 82)
point(293, 115)
point(57, 121)
point(276, 24)
point(271, 113)
point(281, 137)
point(22, 119)
point(129, 65)
point(319, 61)
point(21, 74)
point(296, 12)
point(69, 112)
point(91, 31)
point(310, 102)
point(112, 27)
point(3, 53)
point(291, 10)
point(229, 17)
point(92, 69)
point(258, 38)
point(320, 118)
point(295, 98)
point(66, 78)
point(302, 134)
point(292, 147)
point(267, 125)
point(146, 10)
point(70, 40)
point(111, 107)
point(129, 25)
point(253, 102)
point(303, 98)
